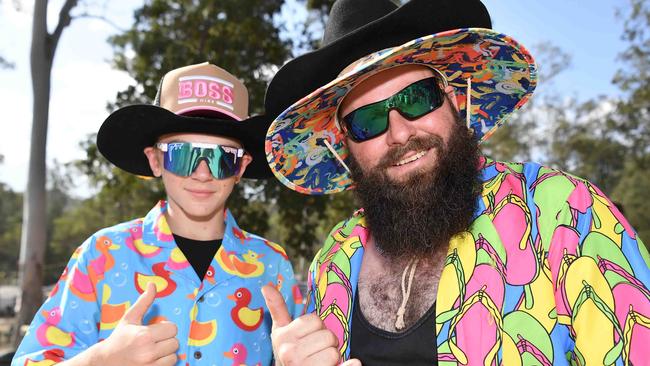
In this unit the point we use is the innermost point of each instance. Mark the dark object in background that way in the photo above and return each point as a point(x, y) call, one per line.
point(5, 359)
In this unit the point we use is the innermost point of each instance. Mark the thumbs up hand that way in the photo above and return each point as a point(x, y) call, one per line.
point(132, 343)
point(303, 341)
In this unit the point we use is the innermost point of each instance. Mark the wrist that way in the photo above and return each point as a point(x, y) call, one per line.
point(97, 354)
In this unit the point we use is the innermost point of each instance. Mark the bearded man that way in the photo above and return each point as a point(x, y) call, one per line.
point(455, 258)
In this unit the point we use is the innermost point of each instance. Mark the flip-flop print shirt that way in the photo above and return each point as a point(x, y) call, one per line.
point(548, 273)
point(222, 320)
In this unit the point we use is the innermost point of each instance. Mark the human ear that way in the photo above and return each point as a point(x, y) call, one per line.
point(154, 163)
point(245, 160)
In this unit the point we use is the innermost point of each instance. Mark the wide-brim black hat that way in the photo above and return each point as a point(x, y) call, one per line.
point(125, 134)
point(357, 28)
point(199, 98)
point(306, 147)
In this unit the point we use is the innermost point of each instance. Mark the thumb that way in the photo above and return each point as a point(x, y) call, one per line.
point(136, 312)
point(277, 306)
point(351, 362)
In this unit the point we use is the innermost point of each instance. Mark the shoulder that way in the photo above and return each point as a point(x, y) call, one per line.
point(107, 235)
point(541, 182)
point(346, 226)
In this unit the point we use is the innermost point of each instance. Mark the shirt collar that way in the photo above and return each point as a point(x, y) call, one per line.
point(156, 231)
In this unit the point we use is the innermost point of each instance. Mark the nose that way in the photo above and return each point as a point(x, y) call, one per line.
point(202, 172)
point(400, 129)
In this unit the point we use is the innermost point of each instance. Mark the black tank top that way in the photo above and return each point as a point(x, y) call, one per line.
point(373, 346)
point(198, 252)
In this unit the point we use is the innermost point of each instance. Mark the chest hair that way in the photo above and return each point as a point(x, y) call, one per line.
point(380, 291)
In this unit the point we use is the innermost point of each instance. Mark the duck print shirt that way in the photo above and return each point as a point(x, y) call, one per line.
point(548, 273)
point(221, 320)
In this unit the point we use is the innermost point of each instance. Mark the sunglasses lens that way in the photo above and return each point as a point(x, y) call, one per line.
point(419, 98)
point(222, 164)
point(367, 122)
point(182, 159)
point(412, 102)
point(177, 159)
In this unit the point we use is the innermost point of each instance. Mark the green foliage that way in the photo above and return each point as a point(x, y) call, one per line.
point(634, 80)
point(10, 225)
point(629, 192)
point(238, 35)
point(58, 202)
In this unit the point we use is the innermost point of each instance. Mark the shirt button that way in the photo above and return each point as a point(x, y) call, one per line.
point(201, 299)
point(197, 355)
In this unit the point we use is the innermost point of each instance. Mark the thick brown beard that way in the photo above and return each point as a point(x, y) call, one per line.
point(416, 216)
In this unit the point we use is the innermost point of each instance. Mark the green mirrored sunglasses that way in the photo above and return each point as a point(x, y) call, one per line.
point(182, 158)
point(414, 101)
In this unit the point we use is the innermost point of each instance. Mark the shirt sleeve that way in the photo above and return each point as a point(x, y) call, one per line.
point(601, 279)
point(66, 323)
point(310, 305)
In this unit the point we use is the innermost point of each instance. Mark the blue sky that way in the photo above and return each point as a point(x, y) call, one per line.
point(83, 81)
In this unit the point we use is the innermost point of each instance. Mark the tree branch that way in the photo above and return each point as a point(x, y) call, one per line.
point(103, 18)
point(64, 21)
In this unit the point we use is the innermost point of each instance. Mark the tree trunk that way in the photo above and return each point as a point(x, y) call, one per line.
point(33, 239)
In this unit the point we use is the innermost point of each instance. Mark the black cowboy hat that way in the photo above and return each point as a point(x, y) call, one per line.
point(356, 28)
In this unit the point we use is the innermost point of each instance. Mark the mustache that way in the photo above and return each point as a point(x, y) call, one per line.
point(394, 155)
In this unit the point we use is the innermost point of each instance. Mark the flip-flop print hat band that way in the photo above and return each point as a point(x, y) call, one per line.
point(502, 73)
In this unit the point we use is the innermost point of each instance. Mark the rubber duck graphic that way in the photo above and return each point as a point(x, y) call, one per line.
point(246, 318)
point(248, 266)
point(111, 313)
point(134, 241)
point(240, 234)
point(83, 285)
point(209, 275)
point(276, 248)
point(161, 278)
point(238, 354)
point(278, 282)
point(201, 333)
point(48, 334)
point(297, 295)
point(105, 262)
point(162, 230)
point(50, 357)
point(177, 260)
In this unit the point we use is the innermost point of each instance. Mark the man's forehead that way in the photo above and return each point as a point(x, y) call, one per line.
point(405, 73)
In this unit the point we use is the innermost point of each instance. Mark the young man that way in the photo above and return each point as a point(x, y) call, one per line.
point(182, 284)
point(455, 259)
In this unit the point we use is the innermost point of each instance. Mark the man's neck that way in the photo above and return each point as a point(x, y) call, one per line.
point(210, 227)
point(380, 286)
